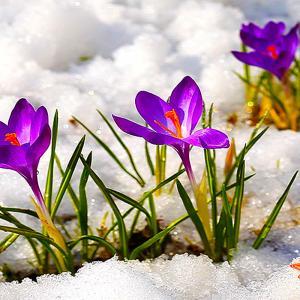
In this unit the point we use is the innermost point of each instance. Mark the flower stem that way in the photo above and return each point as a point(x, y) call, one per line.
point(49, 226)
point(203, 210)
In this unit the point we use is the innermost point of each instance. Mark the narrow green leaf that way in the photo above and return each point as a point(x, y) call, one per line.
point(145, 196)
point(212, 184)
point(231, 186)
point(136, 252)
point(115, 209)
point(271, 219)
point(83, 206)
point(97, 239)
point(8, 241)
point(248, 147)
point(131, 202)
point(109, 152)
point(239, 199)
point(28, 212)
point(148, 158)
point(142, 181)
point(194, 217)
point(74, 198)
point(67, 177)
point(49, 180)
point(228, 222)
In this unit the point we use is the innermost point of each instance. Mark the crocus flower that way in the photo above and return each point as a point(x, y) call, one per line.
point(272, 49)
point(173, 123)
point(23, 141)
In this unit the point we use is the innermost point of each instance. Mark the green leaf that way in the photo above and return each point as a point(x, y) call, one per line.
point(109, 152)
point(28, 212)
point(121, 225)
point(212, 183)
point(231, 186)
point(228, 223)
point(253, 140)
point(131, 202)
point(97, 239)
point(145, 196)
point(67, 177)
point(194, 217)
point(136, 252)
point(49, 180)
point(74, 198)
point(8, 241)
point(271, 219)
point(148, 158)
point(142, 181)
point(238, 200)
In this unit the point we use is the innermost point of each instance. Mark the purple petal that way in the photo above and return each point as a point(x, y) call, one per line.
point(3, 131)
point(273, 30)
point(20, 120)
point(152, 109)
point(39, 121)
point(208, 138)
point(260, 60)
point(187, 101)
point(39, 147)
point(149, 135)
point(14, 158)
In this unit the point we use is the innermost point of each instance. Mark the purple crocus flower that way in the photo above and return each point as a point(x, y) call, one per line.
point(272, 50)
point(23, 141)
point(173, 122)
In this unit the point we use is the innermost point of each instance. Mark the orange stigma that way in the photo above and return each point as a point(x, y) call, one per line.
point(296, 267)
point(12, 138)
point(172, 115)
point(273, 51)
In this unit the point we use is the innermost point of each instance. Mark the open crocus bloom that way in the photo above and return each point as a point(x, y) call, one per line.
point(173, 122)
point(23, 141)
point(272, 50)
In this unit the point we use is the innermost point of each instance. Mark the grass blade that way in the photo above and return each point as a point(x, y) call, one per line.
point(67, 177)
point(124, 147)
point(109, 152)
point(121, 225)
point(238, 200)
point(49, 180)
point(83, 207)
point(145, 196)
point(97, 239)
point(136, 252)
point(271, 219)
point(194, 217)
point(148, 158)
point(7, 241)
point(131, 202)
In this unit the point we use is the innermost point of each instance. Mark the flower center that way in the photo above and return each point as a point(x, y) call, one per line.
point(12, 138)
point(272, 51)
point(172, 115)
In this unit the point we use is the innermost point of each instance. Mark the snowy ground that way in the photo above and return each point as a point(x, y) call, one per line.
point(150, 45)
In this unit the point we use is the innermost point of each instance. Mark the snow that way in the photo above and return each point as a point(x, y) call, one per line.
point(183, 277)
point(133, 45)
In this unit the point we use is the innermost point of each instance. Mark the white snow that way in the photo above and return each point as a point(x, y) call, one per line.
point(183, 277)
point(134, 45)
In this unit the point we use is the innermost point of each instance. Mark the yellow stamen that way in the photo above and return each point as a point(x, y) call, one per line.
point(12, 138)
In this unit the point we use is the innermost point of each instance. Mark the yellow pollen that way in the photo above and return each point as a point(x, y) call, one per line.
point(12, 138)
point(172, 115)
